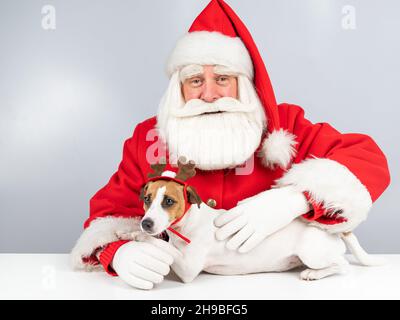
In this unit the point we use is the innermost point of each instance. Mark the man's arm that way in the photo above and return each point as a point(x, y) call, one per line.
point(337, 175)
point(341, 175)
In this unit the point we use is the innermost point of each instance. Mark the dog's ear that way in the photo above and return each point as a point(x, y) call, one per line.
point(193, 196)
point(143, 191)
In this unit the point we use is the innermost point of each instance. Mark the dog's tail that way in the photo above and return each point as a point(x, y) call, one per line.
point(359, 253)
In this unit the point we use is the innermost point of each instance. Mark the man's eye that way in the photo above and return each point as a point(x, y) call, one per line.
point(195, 82)
point(222, 79)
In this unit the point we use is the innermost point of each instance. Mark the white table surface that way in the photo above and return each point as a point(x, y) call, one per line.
point(49, 276)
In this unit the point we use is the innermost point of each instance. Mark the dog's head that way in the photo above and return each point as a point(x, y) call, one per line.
point(166, 199)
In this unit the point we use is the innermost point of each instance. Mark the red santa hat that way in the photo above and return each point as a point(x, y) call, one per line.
point(218, 36)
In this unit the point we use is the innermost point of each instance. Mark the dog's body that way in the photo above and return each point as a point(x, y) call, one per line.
point(297, 244)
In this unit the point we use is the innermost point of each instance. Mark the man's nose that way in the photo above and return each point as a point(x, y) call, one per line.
point(210, 92)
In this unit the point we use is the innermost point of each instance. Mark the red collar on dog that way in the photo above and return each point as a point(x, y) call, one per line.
point(187, 203)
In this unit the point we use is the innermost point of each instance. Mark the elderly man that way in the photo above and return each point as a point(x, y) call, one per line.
point(220, 111)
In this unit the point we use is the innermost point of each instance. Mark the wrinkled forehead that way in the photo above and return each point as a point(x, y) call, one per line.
point(192, 70)
point(172, 188)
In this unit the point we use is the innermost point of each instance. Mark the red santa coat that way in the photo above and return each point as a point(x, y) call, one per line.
point(341, 175)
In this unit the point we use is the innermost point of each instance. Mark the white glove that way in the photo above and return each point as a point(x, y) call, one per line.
point(255, 218)
point(144, 264)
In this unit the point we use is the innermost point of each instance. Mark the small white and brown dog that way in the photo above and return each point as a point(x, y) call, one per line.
point(173, 206)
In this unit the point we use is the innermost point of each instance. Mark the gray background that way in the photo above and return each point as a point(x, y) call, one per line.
point(69, 97)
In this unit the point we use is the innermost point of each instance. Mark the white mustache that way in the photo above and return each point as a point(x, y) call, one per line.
point(195, 107)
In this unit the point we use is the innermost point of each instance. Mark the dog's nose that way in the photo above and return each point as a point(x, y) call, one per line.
point(147, 224)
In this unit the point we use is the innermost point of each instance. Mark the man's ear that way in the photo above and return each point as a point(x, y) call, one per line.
point(193, 196)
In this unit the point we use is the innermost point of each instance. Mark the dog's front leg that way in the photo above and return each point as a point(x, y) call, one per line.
point(188, 267)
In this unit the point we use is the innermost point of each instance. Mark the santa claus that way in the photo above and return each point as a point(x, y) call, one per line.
point(219, 110)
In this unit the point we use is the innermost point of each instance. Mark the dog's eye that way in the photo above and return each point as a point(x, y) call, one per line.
point(169, 201)
point(146, 199)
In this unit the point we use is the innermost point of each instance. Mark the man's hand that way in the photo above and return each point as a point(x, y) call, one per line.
point(255, 218)
point(143, 264)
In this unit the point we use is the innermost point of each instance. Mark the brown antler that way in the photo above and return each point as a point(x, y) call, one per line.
point(186, 170)
point(158, 168)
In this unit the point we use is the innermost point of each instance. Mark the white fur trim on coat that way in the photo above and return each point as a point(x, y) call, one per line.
point(210, 48)
point(278, 149)
point(101, 232)
point(336, 187)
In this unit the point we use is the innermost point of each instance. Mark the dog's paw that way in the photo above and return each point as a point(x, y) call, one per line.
point(127, 235)
point(310, 274)
point(142, 237)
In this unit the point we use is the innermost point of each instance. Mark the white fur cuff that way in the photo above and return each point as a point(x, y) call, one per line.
point(336, 187)
point(101, 232)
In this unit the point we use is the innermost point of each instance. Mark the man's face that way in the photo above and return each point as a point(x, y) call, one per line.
point(209, 85)
point(212, 115)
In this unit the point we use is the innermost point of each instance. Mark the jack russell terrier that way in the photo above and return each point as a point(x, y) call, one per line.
point(173, 206)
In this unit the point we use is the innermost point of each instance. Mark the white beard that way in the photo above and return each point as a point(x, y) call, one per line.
point(213, 141)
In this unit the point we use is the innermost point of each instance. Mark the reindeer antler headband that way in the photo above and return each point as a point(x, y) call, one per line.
point(186, 170)
point(158, 168)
